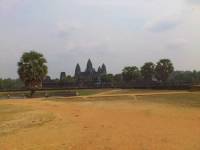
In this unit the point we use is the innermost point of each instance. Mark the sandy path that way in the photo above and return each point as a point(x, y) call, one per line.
point(122, 125)
point(140, 94)
point(111, 94)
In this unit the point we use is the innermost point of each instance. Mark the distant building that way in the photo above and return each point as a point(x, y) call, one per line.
point(88, 78)
point(62, 76)
point(90, 74)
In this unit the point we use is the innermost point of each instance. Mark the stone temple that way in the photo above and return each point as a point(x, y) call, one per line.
point(87, 78)
point(90, 74)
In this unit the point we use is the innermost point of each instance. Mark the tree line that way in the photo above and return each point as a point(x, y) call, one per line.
point(149, 71)
point(33, 69)
point(11, 84)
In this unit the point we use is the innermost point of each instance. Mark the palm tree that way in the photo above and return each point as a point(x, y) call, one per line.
point(32, 69)
point(147, 71)
point(163, 69)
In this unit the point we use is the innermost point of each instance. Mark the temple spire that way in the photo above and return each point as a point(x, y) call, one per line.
point(104, 70)
point(62, 76)
point(77, 70)
point(89, 66)
point(99, 69)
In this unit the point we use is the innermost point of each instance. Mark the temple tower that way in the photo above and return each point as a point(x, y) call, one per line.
point(62, 76)
point(104, 70)
point(89, 68)
point(77, 70)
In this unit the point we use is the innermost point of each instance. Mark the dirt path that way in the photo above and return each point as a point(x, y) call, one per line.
point(100, 125)
point(111, 94)
point(139, 94)
point(107, 92)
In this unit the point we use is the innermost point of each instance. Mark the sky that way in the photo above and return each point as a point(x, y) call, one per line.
point(115, 32)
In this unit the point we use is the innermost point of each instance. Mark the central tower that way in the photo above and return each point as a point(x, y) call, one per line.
point(89, 68)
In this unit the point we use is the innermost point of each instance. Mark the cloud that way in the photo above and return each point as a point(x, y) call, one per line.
point(108, 2)
point(163, 24)
point(193, 1)
point(177, 44)
point(132, 31)
point(65, 30)
point(7, 6)
point(194, 5)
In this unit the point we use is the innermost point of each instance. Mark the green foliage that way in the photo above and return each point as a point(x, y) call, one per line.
point(163, 69)
point(196, 77)
point(130, 73)
point(32, 69)
point(185, 77)
point(11, 84)
point(117, 78)
point(108, 78)
point(70, 79)
point(148, 70)
point(66, 78)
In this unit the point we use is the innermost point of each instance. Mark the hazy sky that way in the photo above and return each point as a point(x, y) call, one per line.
point(116, 32)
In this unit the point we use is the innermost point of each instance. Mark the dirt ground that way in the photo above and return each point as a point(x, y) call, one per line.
point(123, 124)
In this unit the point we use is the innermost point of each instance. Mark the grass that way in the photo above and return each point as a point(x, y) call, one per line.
point(191, 99)
point(138, 91)
point(13, 118)
point(9, 111)
point(109, 119)
point(187, 100)
point(21, 94)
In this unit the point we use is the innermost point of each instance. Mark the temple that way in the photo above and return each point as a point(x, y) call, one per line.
point(90, 74)
point(88, 78)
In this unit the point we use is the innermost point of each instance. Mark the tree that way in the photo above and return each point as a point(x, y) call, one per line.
point(32, 69)
point(147, 71)
point(70, 79)
point(130, 73)
point(11, 84)
point(117, 78)
point(163, 69)
point(181, 77)
point(195, 77)
point(107, 78)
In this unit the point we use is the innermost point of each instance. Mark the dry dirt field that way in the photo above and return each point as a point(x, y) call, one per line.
point(128, 120)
